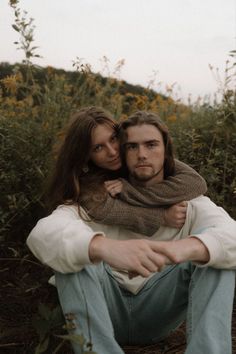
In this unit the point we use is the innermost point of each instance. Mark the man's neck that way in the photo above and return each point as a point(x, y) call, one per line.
point(148, 183)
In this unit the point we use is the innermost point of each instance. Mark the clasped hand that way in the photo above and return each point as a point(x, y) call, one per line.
point(143, 257)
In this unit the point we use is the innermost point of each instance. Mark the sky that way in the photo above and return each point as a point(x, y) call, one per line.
point(168, 42)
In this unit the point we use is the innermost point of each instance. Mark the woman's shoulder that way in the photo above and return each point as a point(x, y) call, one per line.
point(70, 210)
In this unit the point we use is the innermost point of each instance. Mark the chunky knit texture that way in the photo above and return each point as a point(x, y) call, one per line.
point(140, 209)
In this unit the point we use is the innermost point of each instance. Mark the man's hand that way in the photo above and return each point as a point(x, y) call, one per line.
point(113, 187)
point(138, 257)
point(176, 214)
point(188, 249)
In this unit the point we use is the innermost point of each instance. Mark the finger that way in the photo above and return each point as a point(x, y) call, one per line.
point(161, 260)
point(116, 189)
point(143, 271)
point(178, 221)
point(110, 187)
point(111, 182)
point(181, 217)
point(149, 265)
point(180, 209)
point(181, 214)
point(117, 186)
point(162, 249)
point(183, 203)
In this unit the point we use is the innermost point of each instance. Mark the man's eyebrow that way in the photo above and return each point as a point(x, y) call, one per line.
point(152, 141)
point(143, 142)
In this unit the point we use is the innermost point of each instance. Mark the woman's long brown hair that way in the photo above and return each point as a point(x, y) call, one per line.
point(73, 156)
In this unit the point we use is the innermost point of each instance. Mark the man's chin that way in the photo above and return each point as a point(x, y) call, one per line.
point(142, 177)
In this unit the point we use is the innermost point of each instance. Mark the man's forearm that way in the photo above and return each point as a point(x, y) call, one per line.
point(185, 250)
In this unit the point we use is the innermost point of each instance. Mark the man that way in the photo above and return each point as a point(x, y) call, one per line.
point(139, 289)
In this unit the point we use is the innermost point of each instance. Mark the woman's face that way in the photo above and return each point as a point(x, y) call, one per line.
point(105, 148)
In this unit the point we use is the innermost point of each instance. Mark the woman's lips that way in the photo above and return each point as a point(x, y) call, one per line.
point(117, 159)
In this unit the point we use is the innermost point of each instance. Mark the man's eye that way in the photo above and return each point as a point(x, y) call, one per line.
point(130, 147)
point(151, 145)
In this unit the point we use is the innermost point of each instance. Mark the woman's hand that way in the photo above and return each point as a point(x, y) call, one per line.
point(175, 215)
point(113, 187)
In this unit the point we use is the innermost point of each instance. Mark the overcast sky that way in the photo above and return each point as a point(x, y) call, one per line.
point(178, 39)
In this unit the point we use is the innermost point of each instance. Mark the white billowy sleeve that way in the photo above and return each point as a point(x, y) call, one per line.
point(61, 240)
point(217, 230)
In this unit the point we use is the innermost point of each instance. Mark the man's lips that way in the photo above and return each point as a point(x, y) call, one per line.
point(142, 166)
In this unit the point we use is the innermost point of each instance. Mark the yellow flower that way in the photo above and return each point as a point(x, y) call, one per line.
point(172, 118)
point(10, 83)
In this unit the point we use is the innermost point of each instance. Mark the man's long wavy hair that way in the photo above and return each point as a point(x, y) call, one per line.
point(142, 117)
point(73, 157)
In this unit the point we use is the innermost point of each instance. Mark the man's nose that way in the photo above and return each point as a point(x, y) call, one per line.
point(142, 153)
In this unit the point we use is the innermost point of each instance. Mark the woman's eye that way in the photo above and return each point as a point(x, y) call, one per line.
point(114, 138)
point(97, 148)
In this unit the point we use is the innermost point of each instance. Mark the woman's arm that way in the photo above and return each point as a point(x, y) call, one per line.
point(143, 210)
point(61, 240)
point(146, 221)
point(112, 211)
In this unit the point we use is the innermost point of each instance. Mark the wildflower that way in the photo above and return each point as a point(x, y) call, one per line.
point(10, 83)
point(172, 118)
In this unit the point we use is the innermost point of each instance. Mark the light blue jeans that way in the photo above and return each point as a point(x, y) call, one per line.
point(109, 316)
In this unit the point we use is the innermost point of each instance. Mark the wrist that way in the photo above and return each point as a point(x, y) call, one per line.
point(200, 252)
point(95, 248)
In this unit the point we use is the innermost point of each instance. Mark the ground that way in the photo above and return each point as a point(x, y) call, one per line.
point(29, 310)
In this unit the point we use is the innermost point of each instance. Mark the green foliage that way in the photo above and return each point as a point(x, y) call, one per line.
point(48, 321)
point(23, 143)
point(207, 141)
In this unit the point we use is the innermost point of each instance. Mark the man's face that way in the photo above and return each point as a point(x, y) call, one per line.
point(145, 153)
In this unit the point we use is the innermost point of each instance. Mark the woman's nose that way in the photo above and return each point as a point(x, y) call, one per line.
point(112, 150)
